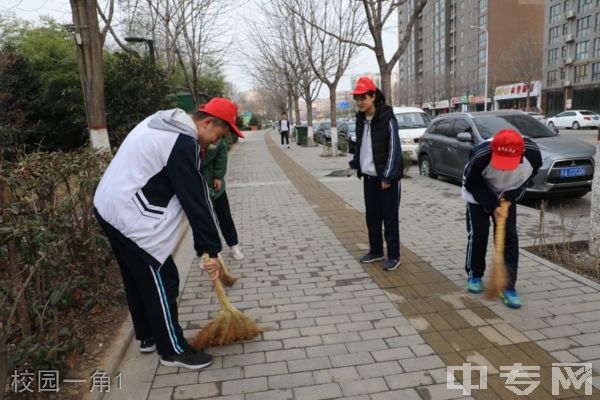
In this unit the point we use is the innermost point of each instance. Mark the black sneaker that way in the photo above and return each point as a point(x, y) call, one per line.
point(391, 264)
point(187, 360)
point(369, 258)
point(147, 345)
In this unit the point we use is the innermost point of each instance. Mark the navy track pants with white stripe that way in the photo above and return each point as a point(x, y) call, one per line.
point(478, 229)
point(151, 291)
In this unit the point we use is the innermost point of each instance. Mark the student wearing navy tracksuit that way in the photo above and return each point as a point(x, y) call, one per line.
point(498, 169)
point(152, 181)
point(378, 160)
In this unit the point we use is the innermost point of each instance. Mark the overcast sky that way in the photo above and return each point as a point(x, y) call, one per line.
point(234, 68)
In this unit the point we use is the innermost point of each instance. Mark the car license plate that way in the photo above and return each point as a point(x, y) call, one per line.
point(596, 118)
point(571, 172)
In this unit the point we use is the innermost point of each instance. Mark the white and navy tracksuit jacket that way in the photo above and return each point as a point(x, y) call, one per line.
point(140, 202)
point(483, 187)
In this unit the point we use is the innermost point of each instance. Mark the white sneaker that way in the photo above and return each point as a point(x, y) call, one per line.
point(236, 253)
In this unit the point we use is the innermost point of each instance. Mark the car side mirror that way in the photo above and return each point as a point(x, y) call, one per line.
point(464, 137)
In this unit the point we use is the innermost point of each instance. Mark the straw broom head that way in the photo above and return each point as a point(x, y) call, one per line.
point(499, 275)
point(229, 325)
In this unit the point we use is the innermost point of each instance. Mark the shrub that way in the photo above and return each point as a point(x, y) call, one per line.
point(57, 256)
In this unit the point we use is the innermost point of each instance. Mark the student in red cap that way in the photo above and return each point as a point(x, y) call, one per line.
point(378, 159)
point(498, 169)
point(140, 202)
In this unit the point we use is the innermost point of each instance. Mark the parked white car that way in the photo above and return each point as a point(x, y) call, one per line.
point(412, 123)
point(575, 119)
point(537, 116)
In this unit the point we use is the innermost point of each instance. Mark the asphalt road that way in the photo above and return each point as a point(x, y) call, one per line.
point(587, 135)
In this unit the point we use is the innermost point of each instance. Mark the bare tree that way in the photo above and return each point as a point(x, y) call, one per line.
point(376, 14)
point(275, 66)
point(186, 34)
point(284, 45)
point(524, 61)
point(327, 56)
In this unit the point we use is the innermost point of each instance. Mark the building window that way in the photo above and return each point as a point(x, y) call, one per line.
point(553, 38)
point(565, 28)
point(567, 5)
point(597, 22)
point(563, 52)
point(580, 73)
point(582, 51)
point(483, 20)
point(551, 78)
point(563, 73)
point(584, 5)
point(555, 13)
point(597, 47)
point(596, 71)
point(483, 5)
point(552, 56)
point(583, 26)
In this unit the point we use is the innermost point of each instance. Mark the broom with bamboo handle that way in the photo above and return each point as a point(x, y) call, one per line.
point(230, 325)
point(499, 274)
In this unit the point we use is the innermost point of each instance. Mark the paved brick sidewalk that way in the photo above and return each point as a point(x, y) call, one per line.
point(341, 331)
point(562, 310)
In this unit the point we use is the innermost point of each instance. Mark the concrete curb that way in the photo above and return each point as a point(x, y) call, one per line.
point(561, 269)
point(125, 332)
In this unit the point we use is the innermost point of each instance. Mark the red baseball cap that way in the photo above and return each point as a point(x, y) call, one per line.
point(364, 85)
point(508, 147)
point(223, 109)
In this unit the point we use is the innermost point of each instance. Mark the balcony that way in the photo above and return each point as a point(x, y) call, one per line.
point(568, 61)
point(570, 14)
point(569, 37)
point(566, 83)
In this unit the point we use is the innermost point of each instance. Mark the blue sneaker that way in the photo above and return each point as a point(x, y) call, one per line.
point(369, 258)
point(474, 285)
point(511, 298)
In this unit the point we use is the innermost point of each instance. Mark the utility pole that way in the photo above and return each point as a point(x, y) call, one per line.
point(88, 42)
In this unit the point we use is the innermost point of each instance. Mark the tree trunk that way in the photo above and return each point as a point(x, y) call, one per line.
point(386, 83)
point(334, 138)
point(89, 56)
point(309, 121)
point(3, 363)
point(594, 244)
point(297, 110)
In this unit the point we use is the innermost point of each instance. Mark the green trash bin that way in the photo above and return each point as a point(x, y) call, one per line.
point(301, 135)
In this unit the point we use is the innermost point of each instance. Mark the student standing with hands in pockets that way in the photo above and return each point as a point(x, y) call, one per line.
point(378, 159)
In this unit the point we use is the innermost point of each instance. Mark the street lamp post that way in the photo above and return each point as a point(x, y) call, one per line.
point(487, 49)
point(149, 42)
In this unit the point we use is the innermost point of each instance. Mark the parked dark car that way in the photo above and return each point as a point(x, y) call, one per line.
point(323, 132)
point(568, 164)
point(347, 130)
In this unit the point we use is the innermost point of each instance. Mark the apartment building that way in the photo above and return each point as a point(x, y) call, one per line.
point(445, 67)
point(571, 69)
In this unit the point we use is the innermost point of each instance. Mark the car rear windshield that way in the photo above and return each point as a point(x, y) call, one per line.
point(587, 113)
point(412, 120)
point(524, 124)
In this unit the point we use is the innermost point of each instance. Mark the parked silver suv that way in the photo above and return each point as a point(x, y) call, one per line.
point(568, 164)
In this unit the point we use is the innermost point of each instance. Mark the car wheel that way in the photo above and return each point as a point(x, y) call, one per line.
point(576, 125)
point(425, 168)
point(551, 125)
